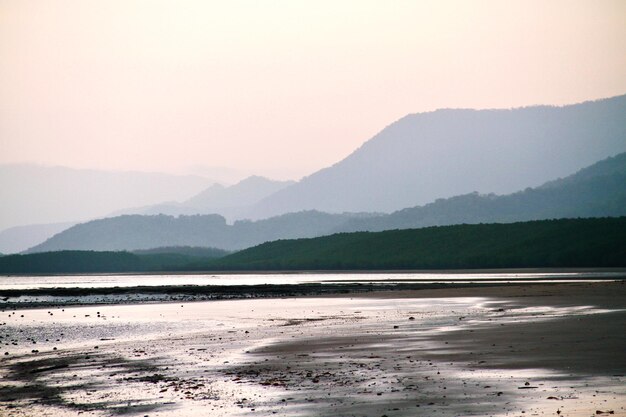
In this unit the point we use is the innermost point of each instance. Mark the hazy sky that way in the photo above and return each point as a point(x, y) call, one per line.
point(281, 88)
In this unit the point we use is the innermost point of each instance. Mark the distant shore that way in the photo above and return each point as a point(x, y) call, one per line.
point(528, 244)
point(336, 271)
point(23, 298)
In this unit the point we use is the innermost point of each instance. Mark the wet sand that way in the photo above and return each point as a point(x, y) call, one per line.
point(532, 349)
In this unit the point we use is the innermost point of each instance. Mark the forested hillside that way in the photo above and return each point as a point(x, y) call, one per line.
point(547, 243)
point(596, 191)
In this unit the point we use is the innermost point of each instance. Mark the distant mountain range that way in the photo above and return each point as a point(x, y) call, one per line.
point(229, 201)
point(19, 238)
point(33, 194)
point(445, 165)
point(596, 191)
point(423, 157)
point(133, 232)
point(563, 243)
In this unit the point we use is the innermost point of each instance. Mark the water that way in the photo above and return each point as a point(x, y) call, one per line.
point(103, 358)
point(107, 281)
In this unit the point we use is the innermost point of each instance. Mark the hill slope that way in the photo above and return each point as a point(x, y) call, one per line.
point(595, 191)
point(423, 157)
point(19, 238)
point(133, 232)
point(229, 201)
point(547, 243)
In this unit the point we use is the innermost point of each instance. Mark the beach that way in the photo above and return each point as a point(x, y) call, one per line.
point(509, 350)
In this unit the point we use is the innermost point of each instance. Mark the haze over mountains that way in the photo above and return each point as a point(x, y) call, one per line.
point(19, 238)
point(423, 157)
point(229, 201)
point(33, 194)
point(458, 155)
point(132, 232)
point(596, 191)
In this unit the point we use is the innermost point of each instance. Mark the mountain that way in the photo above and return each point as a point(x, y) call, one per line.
point(598, 190)
point(426, 156)
point(19, 238)
point(595, 191)
point(537, 244)
point(32, 194)
point(246, 192)
point(229, 202)
point(133, 232)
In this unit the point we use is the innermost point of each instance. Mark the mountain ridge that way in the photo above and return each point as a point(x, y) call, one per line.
point(228, 201)
point(439, 154)
point(598, 190)
point(135, 232)
point(595, 191)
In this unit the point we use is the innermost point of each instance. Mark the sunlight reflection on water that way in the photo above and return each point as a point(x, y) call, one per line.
point(104, 281)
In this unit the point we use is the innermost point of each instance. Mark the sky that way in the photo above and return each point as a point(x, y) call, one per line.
point(279, 88)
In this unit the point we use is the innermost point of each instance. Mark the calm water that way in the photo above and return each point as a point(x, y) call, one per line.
point(103, 281)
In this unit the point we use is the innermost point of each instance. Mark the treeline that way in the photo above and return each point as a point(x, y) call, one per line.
point(536, 244)
point(189, 251)
point(72, 262)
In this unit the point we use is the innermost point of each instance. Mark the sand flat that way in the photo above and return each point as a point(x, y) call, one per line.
point(517, 350)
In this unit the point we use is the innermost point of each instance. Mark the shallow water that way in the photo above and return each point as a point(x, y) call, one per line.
point(370, 356)
point(113, 280)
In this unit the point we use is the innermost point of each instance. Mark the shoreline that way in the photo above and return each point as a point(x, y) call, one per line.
point(507, 350)
point(75, 296)
point(337, 271)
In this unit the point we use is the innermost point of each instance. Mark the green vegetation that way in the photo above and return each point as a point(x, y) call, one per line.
point(70, 262)
point(547, 243)
point(63, 262)
point(190, 251)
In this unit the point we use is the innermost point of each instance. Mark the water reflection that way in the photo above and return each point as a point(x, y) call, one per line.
point(105, 281)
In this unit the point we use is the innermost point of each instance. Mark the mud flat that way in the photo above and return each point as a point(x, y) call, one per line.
point(515, 350)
